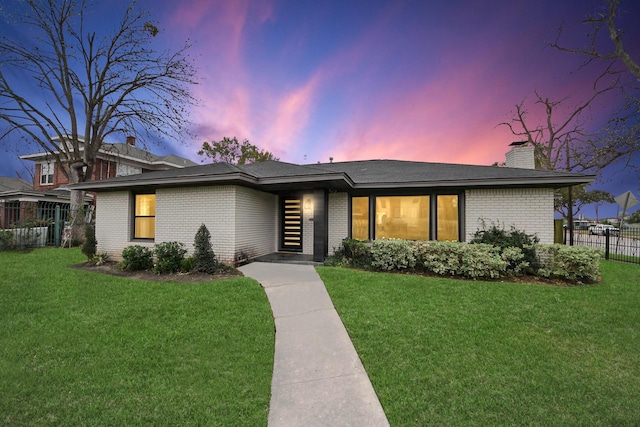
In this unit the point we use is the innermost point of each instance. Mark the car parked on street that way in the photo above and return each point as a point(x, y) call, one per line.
point(601, 230)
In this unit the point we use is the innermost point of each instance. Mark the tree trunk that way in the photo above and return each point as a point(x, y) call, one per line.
point(77, 211)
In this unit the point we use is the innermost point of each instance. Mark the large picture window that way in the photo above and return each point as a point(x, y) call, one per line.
point(360, 218)
point(402, 217)
point(419, 217)
point(145, 216)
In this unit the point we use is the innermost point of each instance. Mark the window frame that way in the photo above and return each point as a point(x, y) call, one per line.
point(134, 216)
point(433, 209)
point(47, 178)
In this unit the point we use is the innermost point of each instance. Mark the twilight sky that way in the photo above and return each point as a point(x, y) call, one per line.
point(413, 80)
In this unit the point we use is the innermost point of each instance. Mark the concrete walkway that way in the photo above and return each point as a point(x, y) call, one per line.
point(318, 379)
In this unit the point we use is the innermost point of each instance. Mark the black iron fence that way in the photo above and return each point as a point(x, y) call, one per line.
point(616, 244)
point(27, 224)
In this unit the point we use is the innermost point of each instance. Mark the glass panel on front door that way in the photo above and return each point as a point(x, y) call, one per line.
point(291, 224)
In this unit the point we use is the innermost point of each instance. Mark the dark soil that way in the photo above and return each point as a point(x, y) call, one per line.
point(191, 277)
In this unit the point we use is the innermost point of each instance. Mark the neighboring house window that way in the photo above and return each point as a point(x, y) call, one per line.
point(402, 217)
point(448, 218)
point(145, 216)
point(419, 217)
point(360, 218)
point(46, 173)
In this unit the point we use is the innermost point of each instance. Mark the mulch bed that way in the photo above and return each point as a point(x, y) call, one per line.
point(191, 277)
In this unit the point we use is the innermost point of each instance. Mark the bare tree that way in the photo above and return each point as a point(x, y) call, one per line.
point(91, 85)
point(562, 141)
point(605, 22)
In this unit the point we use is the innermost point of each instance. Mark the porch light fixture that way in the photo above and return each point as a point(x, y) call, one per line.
point(307, 207)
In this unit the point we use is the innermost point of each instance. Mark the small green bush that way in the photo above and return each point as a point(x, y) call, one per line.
point(392, 254)
point(514, 238)
point(186, 264)
point(90, 244)
point(169, 256)
point(137, 257)
point(578, 264)
point(352, 253)
point(6, 240)
point(204, 259)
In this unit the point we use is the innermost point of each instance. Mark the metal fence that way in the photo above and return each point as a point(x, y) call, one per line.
point(617, 245)
point(27, 224)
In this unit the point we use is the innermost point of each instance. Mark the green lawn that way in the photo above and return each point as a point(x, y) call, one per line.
point(450, 352)
point(81, 348)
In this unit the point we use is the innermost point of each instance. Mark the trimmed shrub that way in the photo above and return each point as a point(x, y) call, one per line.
point(459, 259)
point(578, 264)
point(352, 253)
point(137, 257)
point(515, 259)
point(392, 254)
point(481, 261)
point(357, 252)
point(204, 259)
point(169, 256)
point(89, 247)
point(513, 238)
point(186, 264)
point(441, 258)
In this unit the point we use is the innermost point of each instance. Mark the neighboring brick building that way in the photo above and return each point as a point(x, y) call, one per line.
point(113, 160)
point(261, 208)
point(22, 203)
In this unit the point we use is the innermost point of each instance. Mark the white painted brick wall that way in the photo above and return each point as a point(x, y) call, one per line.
point(528, 209)
point(238, 219)
point(338, 219)
point(181, 211)
point(256, 216)
point(113, 223)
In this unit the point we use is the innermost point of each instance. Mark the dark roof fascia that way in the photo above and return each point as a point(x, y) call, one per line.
point(335, 180)
point(176, 181)
point(548, 182)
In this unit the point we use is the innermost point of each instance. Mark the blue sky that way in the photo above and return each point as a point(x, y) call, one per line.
point(413, 80)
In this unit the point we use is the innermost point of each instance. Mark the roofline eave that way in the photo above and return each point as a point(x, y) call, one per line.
point(141, 181)
point(553, 182)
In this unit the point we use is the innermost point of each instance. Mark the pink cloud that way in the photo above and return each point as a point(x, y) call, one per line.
point(290, 116)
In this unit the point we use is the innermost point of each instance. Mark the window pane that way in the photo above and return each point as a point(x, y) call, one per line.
point(448, 218)
point(145, 204)
point(402, 217)
point(145, 220)
point(145, 228)
point(46, 173)
point(360, 218)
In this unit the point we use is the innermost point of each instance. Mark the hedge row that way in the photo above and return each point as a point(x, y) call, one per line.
point(474, 261)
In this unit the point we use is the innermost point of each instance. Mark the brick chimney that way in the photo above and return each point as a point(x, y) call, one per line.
point(131, 140)
point(521, 156)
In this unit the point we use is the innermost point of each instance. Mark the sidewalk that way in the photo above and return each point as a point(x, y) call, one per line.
point(318, 379)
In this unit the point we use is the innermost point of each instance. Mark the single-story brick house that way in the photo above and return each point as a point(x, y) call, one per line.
point(261, 208)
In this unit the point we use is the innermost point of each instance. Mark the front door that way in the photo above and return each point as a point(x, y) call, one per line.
point(291, 214)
